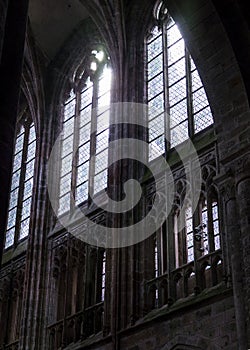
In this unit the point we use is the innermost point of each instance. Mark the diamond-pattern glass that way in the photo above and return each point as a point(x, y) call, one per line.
point(69, 109)
point(67, 146)
point(155, 67)
point(31, 151)
point(65, 184)
point(86, 96)
point(28, 186)
point(101, 161)
point(68, 127)
point(17, 161)
point(199, 100)
point(84, 152)
point(11, 218)
point(29, 169)
point(176, 72)
point(203, 119)
point(155, 86)
point(157, 147)
point(85, 115)
point(217, 242)
point(179, 134)
point(104, 81)
point(178, 113)
point(155, 106)
point(196, 80)
point(177, 92)
point(9, 238)
point(102, 140)
point(32, 133)
point(215, 210)
point(19, 143)
point(156, 127)
point(192, 63)
point(176, 52)
point(103, 120)
point(15, 179)
point(66, 164)
point(155, 47)
point(82, 173)
point(26, 208)
point(13, 198)
point(85, 133)
point(103, 101)
point(24, 230)
point(64, 204)
point(81, 193)
point(100, 181)
point(173, 35)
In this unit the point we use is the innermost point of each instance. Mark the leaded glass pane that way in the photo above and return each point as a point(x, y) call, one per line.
point(196, 80)
point(32, 133)
point(156, 106)
point(64, 204)
point(103, 120)
point(176, 71)
point(28, 186)
point(17, 161)
point(15, 179)
point(101, 161)
point(26, 208)
point(203, 119)
point(84, 152)
point(9, 237)
point(177, 92)
point(85, 133)
point(31, 151)
point(155, 86)
point(69, 110)
point(24, 230)
point(11, 218)
point(155, 67)
point(82, 173)
point(155, 47)
point(30, 169)
point(68, 127)
point(157, 147)
point(67, 146)
point(179, 134)
point(19, 143)
point(85, 115)
point(173, 35)
point(176, 52)
point(86, 96)
point(66, 164)
point(100, 181)
point(178, 113)
point(65, 184)
point(81, 193)
point(104, 100)
point(156, 127)
point(102, 140)
point(13, 198)
point(199, 100)
point(217, 242)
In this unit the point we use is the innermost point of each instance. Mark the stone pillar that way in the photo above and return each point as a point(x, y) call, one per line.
point(10, 78)
point(233, 237)
point(243, 201)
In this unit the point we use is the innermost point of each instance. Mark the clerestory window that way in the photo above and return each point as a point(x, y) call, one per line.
point(177, 101)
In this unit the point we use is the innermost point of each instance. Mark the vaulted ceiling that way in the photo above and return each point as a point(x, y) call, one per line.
point(52, 22)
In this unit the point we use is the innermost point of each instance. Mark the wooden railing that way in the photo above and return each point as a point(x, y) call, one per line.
point(76, 327)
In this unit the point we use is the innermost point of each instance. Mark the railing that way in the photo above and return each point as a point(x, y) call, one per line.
point(189, 279)
point(76, 327)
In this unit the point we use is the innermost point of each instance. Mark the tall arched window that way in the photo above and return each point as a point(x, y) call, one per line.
point(21, 183)
point(178, 105)
point(85, 129)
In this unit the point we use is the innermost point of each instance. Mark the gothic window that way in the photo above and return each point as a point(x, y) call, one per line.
point(21, 183)
point(178, 105)
point(85, 133)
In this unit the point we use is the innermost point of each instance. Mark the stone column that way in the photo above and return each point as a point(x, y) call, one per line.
point(10, 78)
